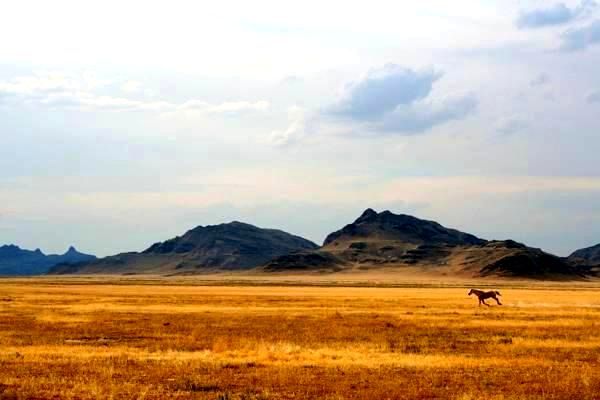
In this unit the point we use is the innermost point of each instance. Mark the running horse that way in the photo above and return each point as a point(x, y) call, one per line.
point(481, 295)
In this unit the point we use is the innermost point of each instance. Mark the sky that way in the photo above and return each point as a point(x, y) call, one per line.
point(127, 123)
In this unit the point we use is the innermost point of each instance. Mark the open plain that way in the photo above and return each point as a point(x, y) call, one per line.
point(134, 338)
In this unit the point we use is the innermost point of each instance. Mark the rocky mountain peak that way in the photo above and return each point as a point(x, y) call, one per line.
point(368, 215)
point(406, 228)
point(71, 250)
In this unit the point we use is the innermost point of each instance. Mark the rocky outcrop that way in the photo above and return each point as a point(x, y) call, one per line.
point(305, 261)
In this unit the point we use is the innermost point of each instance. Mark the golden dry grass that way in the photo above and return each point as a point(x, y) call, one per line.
point(86, 339)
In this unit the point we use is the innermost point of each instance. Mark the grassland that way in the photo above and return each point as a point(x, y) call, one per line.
point(62, 338)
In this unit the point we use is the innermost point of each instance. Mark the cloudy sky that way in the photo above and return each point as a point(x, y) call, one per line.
point(125, 123)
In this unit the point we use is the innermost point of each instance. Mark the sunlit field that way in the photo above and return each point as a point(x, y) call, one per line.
point(100, 340)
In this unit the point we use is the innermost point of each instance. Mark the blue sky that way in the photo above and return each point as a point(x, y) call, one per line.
point(125, 124)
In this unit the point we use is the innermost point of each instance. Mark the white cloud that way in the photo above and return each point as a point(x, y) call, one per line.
point(61, 91)
point(131, 87)
point(512, 125)
point(582, 37)
point(556, 14)
point(424, 115)
point(295, 131)
point(381, 90)
point(395, 99)
point(230, 107)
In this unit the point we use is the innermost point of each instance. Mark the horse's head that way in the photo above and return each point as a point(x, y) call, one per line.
point(497, 292)
point(470, 292)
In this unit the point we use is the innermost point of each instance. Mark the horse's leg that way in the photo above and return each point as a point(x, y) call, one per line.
point(497, 301)
point(483, 301)
point(479, 302)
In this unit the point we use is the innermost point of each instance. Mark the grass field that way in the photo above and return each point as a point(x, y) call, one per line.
point(88, 339)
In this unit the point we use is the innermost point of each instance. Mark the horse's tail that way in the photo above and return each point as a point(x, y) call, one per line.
point(497, 292)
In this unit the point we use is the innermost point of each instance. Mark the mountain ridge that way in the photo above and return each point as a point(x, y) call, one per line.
point(402, 242)
point(375, 240)
point(17, 261)
point(228, 246)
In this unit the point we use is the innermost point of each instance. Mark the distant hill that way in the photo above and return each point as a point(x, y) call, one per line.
point(373, 241)
point(17, 261)
point(588, 255)
point(405, 228)
point(387, 240)
point(587, 258)
point(511, 259)
point(231, 246)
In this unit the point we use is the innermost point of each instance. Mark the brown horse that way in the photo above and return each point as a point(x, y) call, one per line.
point(481, 295)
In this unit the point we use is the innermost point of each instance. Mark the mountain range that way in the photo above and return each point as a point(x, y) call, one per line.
point(387, 241)
point(17, 261)
point(405, 242)
point(232, 246)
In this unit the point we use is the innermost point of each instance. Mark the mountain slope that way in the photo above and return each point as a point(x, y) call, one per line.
point(405, 228)
point(17, 261)
point(386, 237)
point(587, 259)
point(511, 259)
point(403, 242)
point(232, 246)
point(305, 261)
point(588, 255)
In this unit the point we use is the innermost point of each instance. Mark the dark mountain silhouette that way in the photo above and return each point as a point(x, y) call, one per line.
point(374, 241)
point(517, 260)
point(587, 258)
point(405, 228)
point(305, 261)
point(17, 261)
point(588, 255)
point(387, 240)
point(232, 246)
